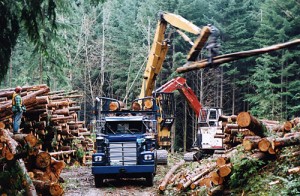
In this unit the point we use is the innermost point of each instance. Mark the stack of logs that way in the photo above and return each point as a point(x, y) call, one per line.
point(242, 130)
point(212, 175)
point(50, 136)
point(26, 167)
point(52, 118)
point(243, 127)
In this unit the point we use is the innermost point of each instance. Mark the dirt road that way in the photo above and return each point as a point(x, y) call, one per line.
point(80, 182)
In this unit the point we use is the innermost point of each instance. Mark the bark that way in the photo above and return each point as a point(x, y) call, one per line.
point(163, 184)
point(29, 186)
point(294, 170)
point(286, 141)
point(197, 176)
point(246, 120)
point(228, 119)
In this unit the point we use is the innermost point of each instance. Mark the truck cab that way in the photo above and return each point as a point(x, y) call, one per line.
point(125, 143)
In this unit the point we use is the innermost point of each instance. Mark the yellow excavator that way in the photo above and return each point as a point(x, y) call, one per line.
point(156, 58)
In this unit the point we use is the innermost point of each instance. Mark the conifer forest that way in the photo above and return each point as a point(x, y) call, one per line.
point(67, 55)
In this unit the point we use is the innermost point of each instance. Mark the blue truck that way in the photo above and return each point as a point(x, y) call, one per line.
point(125, 141)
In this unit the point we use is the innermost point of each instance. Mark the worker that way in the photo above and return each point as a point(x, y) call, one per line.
point(212, 44)
point(17, 108)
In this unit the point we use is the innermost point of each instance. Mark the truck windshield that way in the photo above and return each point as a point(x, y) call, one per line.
point(124, 127)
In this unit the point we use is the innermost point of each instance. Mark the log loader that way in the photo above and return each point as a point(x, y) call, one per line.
point(156, 58)
point(128, 140)
point(208, 119)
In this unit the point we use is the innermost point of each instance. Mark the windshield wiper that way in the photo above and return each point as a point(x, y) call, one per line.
point(111, 130)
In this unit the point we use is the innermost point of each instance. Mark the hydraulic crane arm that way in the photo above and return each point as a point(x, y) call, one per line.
point(180, 84)
point(160, 47)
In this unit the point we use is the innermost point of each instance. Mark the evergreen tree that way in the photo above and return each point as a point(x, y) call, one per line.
point(279, 21)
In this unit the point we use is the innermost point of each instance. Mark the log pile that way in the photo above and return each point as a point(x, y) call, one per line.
point(252, 133)
point(256, 141)
point(27, 167)
point(211, 175)
point(52, 118)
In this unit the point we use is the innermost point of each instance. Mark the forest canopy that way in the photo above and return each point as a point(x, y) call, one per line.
point(100, 48)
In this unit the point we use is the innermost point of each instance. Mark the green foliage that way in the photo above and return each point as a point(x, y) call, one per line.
point(80, 153)
point(36, 18)
point(243, 169)
point(13, 186)
point(254, 177)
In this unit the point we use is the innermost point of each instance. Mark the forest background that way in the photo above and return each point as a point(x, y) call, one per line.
point(100, 48)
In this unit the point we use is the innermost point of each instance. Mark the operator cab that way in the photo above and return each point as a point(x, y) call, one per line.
point(209, 117)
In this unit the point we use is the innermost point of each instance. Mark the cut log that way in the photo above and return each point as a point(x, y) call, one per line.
point(29, 186)
point(58, 104)
point(264, 144)
point(64, 111)
point(286, 141)
point(294, 170)
point(190, 66)
point(222, 161)
point(206, 181)
point(197, 176)
point(246, 120)
point(42, 100)
point(48, 188)
point(43, 160)
point(174, 177)
point(215, 178)
point(228, 119)
point(163, 184)
point(224, 170)
point(53, 154)
point(250, 142)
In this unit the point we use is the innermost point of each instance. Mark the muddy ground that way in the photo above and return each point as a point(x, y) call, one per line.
point(80, 182)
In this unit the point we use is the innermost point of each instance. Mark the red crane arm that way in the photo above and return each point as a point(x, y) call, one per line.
point(180, 84)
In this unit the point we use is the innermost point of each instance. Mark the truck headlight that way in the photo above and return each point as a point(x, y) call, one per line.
point(148, 157)
point(97, 158)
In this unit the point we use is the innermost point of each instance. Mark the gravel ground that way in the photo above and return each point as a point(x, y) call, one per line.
point(80, 181)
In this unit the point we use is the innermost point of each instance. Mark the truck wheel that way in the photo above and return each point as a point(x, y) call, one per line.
point(98, 181)
point(150, 179)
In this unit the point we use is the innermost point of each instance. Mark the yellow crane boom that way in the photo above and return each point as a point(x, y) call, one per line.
point(160, 47)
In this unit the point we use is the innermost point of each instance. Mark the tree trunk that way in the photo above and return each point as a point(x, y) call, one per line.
point(190, 66)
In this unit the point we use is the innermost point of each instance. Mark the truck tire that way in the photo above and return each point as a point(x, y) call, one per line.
point(150, 179)
point(98, 181)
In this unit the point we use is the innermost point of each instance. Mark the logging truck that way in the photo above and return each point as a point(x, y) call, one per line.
point(128, 140)
point(209, 125)
point(125, 142)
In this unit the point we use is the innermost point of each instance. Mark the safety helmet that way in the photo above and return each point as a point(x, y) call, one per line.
point(18, 89)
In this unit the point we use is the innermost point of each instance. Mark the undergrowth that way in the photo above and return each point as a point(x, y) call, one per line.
point(255, 177)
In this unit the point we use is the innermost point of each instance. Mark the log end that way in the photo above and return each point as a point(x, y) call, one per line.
point(244, 119)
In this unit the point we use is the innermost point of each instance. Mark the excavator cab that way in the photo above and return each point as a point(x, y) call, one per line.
point(209, 117)
point(208, 127)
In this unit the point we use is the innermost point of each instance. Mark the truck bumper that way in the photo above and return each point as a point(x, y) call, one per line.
point(123, 171)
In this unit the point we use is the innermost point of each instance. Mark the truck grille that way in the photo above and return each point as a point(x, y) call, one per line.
point(123, 153)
